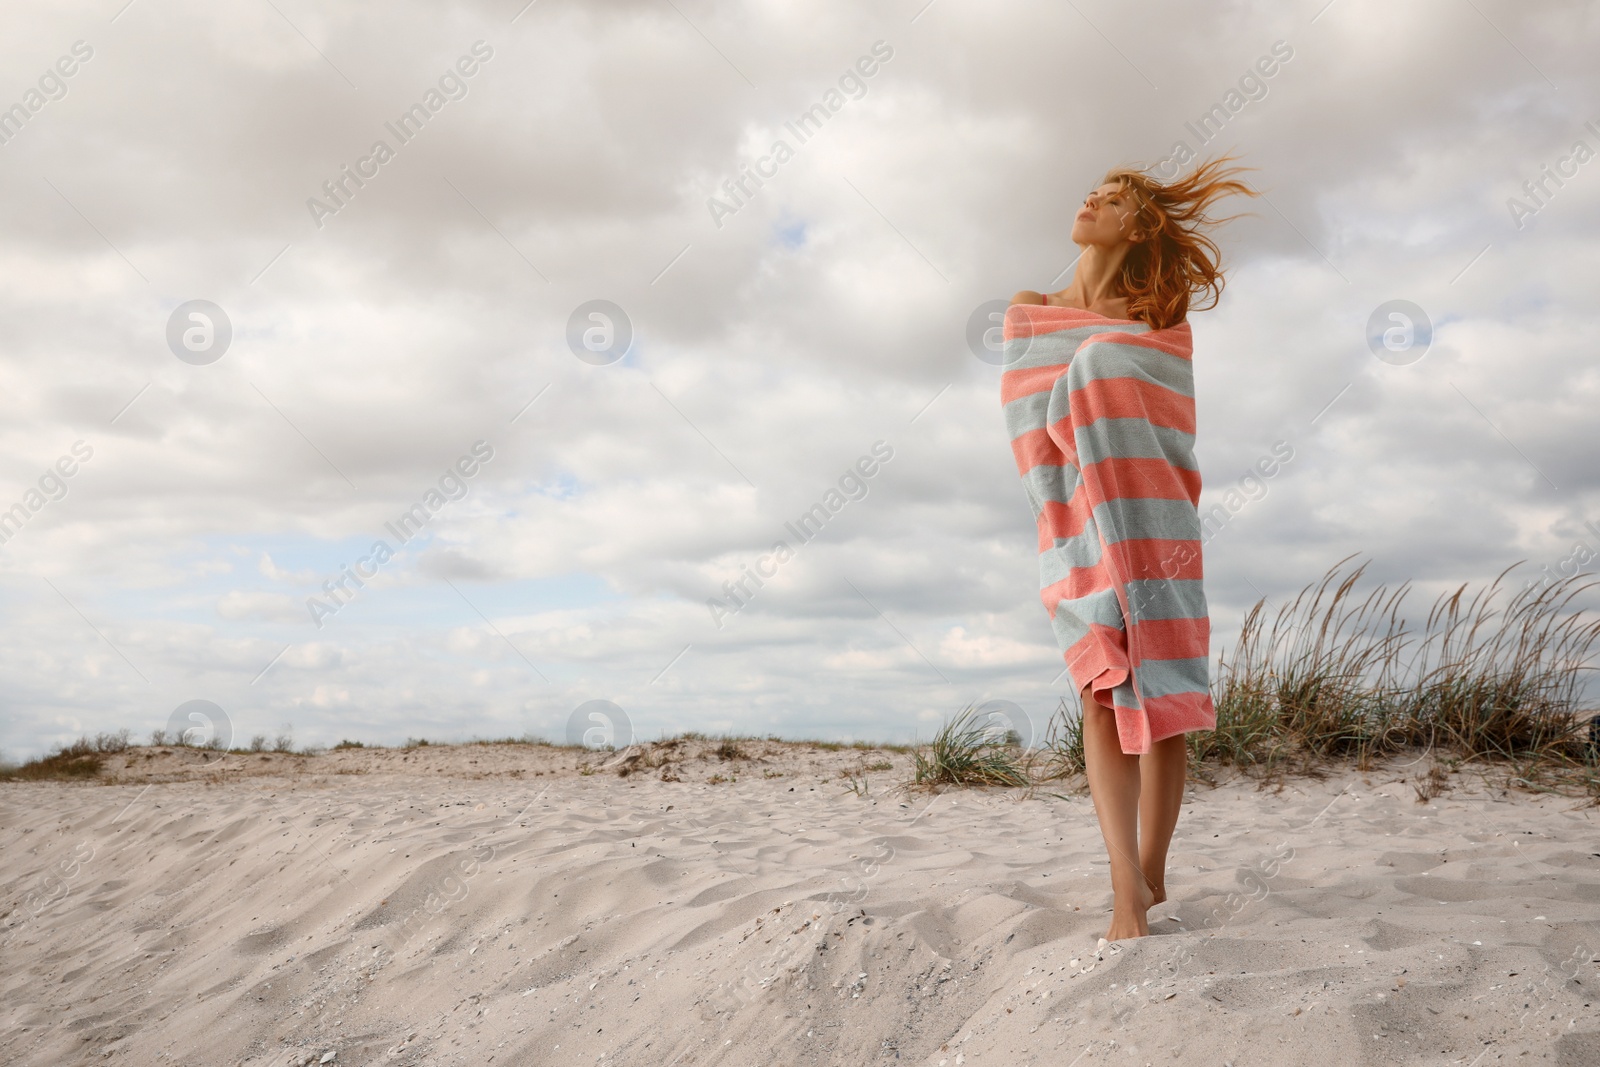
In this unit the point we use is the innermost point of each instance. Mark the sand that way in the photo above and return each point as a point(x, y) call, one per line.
point(493, 904)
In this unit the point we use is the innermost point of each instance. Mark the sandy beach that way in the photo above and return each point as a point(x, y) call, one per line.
point(497, 904)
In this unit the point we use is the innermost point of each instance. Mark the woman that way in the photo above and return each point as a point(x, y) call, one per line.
point(1098, 394)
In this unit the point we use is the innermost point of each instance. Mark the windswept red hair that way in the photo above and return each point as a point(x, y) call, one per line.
point(1174, 260)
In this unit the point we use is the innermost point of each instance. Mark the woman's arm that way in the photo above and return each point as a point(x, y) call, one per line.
point(1028, 296)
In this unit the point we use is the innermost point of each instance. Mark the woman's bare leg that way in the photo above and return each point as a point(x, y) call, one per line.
point(1114, 786)
point(1162, 773)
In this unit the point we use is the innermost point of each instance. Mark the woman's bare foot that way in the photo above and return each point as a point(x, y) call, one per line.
point(1159, 894)
point(1129, 922)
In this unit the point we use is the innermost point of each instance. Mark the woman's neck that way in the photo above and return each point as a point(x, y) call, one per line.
point(1097, 278)
point(1095, 284)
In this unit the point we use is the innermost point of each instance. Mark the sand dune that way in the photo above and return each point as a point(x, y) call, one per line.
point(414, 907)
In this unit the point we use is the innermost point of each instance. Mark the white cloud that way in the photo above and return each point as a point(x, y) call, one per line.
point(239, 604)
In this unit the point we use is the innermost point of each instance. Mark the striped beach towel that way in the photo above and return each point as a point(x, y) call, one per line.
point(1100, 413)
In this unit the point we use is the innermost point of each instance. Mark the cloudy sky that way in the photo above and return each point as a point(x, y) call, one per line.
point(374, 314)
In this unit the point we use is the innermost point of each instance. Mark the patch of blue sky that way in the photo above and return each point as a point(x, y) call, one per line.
point(426, 603)
point(562, 485)
point(791, 233)
point(505, 599)
point(219, 565)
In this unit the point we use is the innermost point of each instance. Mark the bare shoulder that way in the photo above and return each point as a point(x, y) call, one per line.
point(1028, 296)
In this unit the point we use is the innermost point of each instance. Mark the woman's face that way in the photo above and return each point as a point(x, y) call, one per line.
point(1106, 217)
